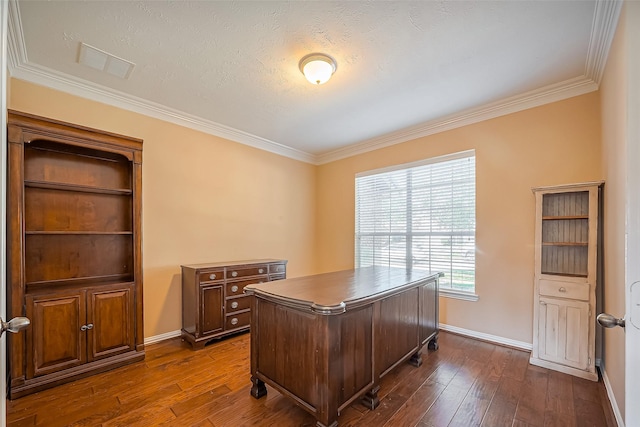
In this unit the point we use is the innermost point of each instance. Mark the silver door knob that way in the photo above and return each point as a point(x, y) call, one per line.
point(14, 325)
point(609, 321)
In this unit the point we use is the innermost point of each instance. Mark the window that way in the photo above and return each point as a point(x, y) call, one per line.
point(421, 216)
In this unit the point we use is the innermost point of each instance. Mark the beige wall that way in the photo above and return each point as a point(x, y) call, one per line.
point(204, 198)
point(613, 93)
point(554, 144)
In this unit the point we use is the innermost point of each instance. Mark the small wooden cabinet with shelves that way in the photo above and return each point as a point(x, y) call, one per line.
point(74, 251)
point(213, 299)
point(566, 271)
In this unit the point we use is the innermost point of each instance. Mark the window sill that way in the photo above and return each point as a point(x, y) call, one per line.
point(465, 296)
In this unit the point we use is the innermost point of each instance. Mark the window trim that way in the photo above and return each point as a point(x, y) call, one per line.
point(443, 292)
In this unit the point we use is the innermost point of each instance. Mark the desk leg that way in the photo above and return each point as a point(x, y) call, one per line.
point(433, 344)
point(259, 389)
point(416, 359)
point(370, 400)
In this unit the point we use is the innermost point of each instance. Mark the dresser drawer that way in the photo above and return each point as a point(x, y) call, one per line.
point(253, 270)
point(238, 320)
point(236, 288)
point(277, 268)
point(579, 291)
point(211, 275)
point(237, 304)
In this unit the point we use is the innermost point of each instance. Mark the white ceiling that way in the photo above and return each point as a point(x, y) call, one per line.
point(405, 68)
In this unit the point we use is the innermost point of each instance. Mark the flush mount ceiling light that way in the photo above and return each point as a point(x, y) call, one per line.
point(317, 67)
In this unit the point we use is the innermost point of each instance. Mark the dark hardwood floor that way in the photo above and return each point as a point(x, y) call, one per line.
point(464, 383)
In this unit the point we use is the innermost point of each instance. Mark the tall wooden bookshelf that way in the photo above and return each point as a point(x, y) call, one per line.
point(74, 251)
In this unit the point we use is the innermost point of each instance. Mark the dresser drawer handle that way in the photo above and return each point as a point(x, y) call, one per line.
point(261, 270)
point(234, 304)
point(212, 276)
point(234, 274)
point(562, 289)
point(234, 288)
point(234, 321)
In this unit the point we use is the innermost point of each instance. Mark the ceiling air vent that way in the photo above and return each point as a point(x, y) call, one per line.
point(103, 61)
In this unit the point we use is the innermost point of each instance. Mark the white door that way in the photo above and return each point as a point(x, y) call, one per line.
point(4, 14)
point(632, 287)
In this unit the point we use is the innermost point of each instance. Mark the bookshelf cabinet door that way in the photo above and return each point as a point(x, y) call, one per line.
point(56, 339)
point(110, 315)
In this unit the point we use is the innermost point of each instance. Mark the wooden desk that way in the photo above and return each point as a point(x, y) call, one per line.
point(326, 340)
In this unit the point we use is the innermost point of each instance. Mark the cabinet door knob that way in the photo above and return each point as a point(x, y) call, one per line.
point(212, 276)
point(83, 328)
point(90, 326)
point(562, 289)
point(234, 288)
point(234, 304)
point(234, 321)
point(234, 274)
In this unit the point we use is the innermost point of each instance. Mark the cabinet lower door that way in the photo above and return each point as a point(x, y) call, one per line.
point(110, 321)
point(563, 332)
point(211, 315)
point(55, 340)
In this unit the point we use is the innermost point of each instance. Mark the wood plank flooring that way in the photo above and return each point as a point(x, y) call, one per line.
point(464, 383)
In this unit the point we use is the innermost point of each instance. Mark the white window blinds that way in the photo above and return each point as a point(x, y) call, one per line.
point(420, 216)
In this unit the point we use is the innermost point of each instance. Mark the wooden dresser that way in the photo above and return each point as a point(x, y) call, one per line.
point(74, 253)
point(213, 302)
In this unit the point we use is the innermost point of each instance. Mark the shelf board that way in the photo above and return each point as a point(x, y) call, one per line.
point(565, 244)
point(76, 187)
point(71, 233)
point(83, 281)
point(563, 217)
point(563, 274)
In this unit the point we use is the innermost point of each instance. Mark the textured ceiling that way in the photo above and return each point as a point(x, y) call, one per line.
point(231, 68)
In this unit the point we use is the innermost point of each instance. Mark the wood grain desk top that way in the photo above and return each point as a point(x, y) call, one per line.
point(336, 292)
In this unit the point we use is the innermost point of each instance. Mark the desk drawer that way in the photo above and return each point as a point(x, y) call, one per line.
point(237, 304)
point(211, 275)
point(254, 270)
point(238, 320)
point(579, 291)
point(277, 268)
point(236, 288)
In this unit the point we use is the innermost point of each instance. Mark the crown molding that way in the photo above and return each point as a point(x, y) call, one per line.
point(49, 78)
point(605, 21)
point(603, 29)
point(535, 98)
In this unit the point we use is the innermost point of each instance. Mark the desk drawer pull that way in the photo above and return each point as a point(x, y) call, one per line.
point(234, 274)
point(234, 304)
point(562, 289)
point(212, 276)
point(234, 288)
point(261, 270)
point(234, 321)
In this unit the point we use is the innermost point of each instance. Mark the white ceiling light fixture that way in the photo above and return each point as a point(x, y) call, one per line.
point(318, 67)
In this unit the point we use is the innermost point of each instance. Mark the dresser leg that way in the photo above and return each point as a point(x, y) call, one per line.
point(370, 400)
point(259, 389)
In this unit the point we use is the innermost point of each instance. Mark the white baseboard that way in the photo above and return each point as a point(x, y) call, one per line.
point(161, 337)
point(612, 398)
point(487, 337)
